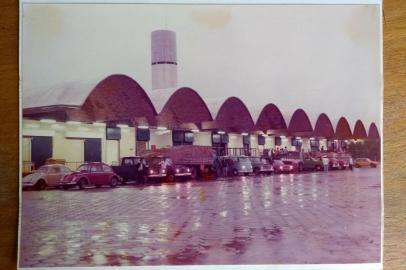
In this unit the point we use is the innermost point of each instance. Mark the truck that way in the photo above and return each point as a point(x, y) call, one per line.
point(198, 159)
point(130, 169)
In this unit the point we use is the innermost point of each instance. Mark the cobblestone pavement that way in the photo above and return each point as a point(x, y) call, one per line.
point(319, 217)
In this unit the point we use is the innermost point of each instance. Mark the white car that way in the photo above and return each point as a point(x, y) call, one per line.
point(46, 176)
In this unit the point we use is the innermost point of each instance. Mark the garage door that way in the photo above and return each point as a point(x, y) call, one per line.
point(92, 150)
point(41, 149)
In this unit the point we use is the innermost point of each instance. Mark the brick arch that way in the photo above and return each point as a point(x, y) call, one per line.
point(373, 132)
point(119, 97)
point(185, 105)
point(343, 130)
point(323, 127)
point(270, 118)
point(233, 116)
point(299, 124)
point(359, 130)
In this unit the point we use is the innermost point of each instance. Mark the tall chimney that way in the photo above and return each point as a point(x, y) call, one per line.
point(163, 59)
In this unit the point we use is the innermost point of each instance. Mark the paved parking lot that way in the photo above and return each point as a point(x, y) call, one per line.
point(318, 217)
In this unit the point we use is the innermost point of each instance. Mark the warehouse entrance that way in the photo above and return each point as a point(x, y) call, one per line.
point(92, 150)
point(41, 150)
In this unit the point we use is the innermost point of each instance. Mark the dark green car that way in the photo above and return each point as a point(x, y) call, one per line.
point(310, 163)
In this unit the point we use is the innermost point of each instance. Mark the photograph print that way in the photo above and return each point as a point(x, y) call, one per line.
point(200, 135)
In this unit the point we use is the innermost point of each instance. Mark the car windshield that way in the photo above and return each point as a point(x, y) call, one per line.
point(83, 168)
point(155, 161)
point(244, 160)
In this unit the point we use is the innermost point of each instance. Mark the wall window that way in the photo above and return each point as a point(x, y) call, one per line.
point(278, 141)
point(246, 139)
point(143, 135)
point(113, 133)
point(261, 140)
point(180, 137)
point(314, 144)
point(296, 142)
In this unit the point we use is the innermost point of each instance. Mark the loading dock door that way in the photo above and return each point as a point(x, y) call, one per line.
point(41, 149)
point(92, 148)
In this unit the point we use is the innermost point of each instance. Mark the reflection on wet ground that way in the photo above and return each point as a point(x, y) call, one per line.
point(329, 217)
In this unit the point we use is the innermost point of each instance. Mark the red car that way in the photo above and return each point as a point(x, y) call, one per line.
point(91, 174)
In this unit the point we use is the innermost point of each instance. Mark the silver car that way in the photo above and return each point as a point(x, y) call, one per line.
point(241, 165)
point(45, 176)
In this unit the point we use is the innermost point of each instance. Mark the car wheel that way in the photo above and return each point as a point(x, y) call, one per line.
point(300, 167)
point(113, 182)
point(82, 183)
point(40, 185)
point(257, 171)
point(373, 166)
point(318, 168)
point(170, 177)
point(65, 187)
point(193, 172)
point(98, 186)
point(235, 172)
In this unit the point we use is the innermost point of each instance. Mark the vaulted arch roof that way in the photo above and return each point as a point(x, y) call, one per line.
point(184, 106)
point(323, 127)
point(299, 124)
point(373, 132)
point(119, 97)
point(233, 116)
point(359, 130)
point(270, 118)
point(343, 130)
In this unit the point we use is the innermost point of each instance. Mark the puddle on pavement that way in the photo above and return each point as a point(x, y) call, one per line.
point(238, 245)
point(110, 259)
point(188, 255)
point(272, 234)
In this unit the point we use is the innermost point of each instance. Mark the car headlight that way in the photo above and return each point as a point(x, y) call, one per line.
point(151, 171)
point(290, 167)
point(177, 170)
point(281, 167)
point(188, 170)
point(243, 166)
point(163, 171)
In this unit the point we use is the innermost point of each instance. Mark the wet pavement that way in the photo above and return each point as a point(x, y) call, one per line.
point(318, 217)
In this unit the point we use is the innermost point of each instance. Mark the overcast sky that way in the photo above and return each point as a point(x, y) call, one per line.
point(319, 58)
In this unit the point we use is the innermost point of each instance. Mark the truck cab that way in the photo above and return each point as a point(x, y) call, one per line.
point(131, 169)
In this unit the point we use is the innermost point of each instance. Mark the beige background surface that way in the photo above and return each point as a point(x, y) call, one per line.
point(394, 132)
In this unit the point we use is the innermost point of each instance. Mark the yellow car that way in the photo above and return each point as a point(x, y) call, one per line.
point(365, 162)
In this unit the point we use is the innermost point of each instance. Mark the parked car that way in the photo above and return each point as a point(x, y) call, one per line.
point(162, 168)
point(281, 166)
point(261, 165)
point(293, 158)
point(45, 176)
point(240, 165)
point(311, 163)
point(91, 174)
point(365, 162)
point(131, 168)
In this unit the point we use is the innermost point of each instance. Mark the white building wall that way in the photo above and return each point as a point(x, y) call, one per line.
point(127, 143)
point(235, 140)
point(323, 143)
point(71, 148)
point(254, 141)
point(269, 142)
point(160, 138)
point(202, 138)
point(306, 144)
point(286, 142)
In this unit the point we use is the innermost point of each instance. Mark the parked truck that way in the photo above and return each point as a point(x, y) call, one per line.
point(198, 159)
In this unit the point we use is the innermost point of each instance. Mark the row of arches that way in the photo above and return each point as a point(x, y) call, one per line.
point(119, 97)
